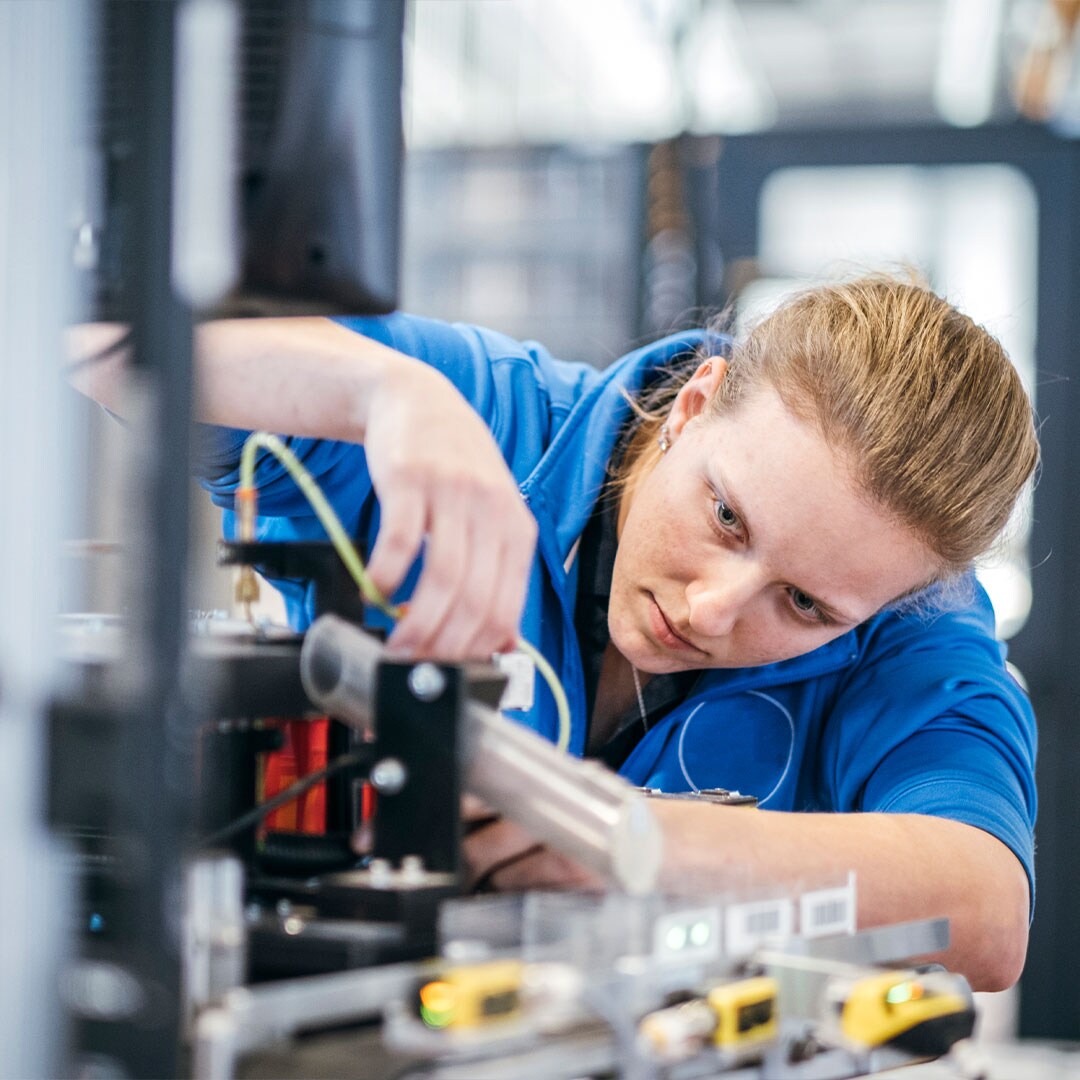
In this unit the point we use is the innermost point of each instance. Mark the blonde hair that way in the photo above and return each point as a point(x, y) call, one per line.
point(925, 406)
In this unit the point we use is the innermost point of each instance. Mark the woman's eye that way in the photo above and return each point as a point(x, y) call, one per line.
point(806, 605)
point(727, 517)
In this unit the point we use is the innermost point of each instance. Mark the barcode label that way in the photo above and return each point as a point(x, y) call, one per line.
point(747, 926)
point(827, 911)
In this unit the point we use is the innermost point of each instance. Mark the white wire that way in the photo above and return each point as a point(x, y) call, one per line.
point(682, 739)
point(791, 745)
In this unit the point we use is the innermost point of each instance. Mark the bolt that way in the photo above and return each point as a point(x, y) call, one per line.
point(412, 869)
point(426, 681)
point(388, 776)
point(380, 873)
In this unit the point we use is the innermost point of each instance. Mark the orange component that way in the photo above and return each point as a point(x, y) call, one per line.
point(367, 802)
point(305, 751)
point(246, 501)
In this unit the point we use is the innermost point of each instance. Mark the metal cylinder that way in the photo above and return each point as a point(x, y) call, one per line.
point(337, 668)
point(577, 807)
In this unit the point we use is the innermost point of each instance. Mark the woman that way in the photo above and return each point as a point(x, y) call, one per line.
point(757, 578)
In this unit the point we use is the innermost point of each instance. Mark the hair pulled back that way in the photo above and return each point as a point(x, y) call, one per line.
point(926, 408)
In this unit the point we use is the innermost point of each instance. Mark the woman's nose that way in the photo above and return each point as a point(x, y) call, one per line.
point(717, 601)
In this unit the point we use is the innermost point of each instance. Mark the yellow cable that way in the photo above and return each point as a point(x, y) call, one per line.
point(345, 548)
point(557, 692)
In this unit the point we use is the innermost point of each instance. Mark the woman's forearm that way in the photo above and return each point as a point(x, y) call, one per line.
point(907, 866)
point(295, 376)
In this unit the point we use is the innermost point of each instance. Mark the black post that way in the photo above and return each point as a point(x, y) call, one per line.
point(152, 773)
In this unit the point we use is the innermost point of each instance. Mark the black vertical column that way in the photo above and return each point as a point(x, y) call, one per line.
point(151, 774)
point(1047, 650)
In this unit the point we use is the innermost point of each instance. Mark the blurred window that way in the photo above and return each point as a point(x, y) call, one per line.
point(538, 242)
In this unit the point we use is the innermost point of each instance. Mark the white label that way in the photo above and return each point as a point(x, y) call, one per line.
point(827, 911)
point(747, 926)
point(520, 674)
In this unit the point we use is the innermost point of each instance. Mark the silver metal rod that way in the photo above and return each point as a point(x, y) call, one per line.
point(215, 935)
point(577, 807)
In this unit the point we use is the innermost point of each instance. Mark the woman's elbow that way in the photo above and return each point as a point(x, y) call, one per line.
point(997, 933)
point(1004, 955)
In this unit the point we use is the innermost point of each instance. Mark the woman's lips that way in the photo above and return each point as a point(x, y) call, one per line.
point(664, 632)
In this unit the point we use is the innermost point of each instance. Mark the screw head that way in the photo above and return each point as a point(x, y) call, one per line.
point(388, 776)
point(426, 681)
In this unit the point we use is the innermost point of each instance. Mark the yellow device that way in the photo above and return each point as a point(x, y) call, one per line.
point(737, 1019)
point(746, 1014)
point(921, 1014)
point(471, 996)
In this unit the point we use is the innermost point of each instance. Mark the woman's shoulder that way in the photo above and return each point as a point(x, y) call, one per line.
point(920, 662)
point(957, 616)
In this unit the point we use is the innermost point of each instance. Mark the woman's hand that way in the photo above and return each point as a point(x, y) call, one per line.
point(500, 855)
point(441, 478)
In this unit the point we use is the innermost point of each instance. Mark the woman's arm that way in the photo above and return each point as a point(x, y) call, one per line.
point(907, 866)
point(438, 473)
point(294, 376)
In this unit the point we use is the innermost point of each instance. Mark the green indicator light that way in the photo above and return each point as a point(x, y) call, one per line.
point(899, 994)
point(700, 934)
point(434, 1018)
point(675, 939)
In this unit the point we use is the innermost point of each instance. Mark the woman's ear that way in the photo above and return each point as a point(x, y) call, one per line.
point(696, 393)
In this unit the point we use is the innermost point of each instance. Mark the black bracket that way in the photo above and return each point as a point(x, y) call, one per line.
point(418, 712)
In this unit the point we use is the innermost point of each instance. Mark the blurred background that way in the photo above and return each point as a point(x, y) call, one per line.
point(594, 174)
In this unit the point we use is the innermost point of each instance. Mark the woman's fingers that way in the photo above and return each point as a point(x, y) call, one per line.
point(491, 847)
point(511, 585)
point(439, 588)
point(443, 482)
point(542, 868)
point(498, 556)
point(467, 627)
point(501, 855)
point(401, 532)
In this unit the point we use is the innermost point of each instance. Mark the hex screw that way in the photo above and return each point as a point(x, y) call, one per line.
point(388, 776)
point(426, 681)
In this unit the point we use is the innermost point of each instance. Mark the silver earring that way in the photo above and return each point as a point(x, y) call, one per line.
point(664, 442)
